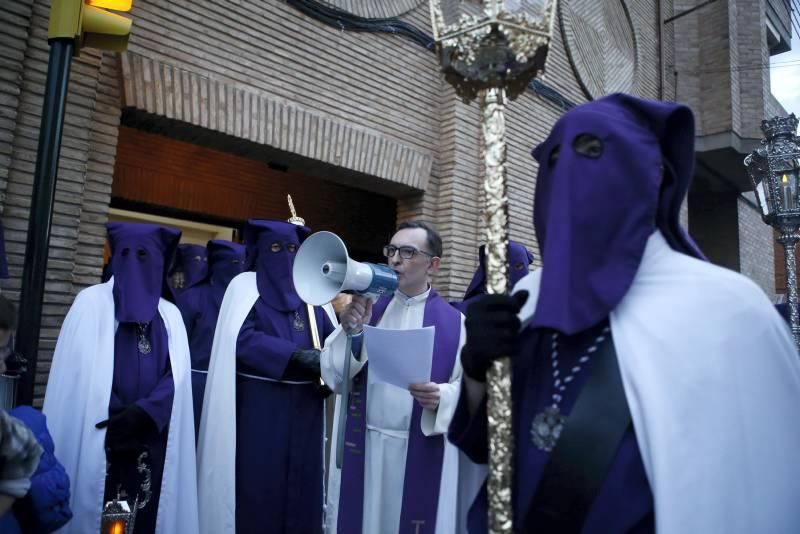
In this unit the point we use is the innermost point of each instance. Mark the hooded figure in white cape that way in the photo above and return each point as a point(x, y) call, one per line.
point(120, 392)
point(708, 370)
point(261, 445)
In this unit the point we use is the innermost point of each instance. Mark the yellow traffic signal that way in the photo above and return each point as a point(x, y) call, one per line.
point(103, 29)
point(90, 25)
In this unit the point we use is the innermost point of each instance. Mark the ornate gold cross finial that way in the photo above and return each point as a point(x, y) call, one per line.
point(294, 219)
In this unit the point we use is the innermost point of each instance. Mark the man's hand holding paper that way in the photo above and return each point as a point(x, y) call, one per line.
point(427, 395)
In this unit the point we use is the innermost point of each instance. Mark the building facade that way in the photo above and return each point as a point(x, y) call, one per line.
point(721, 70)
point(218, 110)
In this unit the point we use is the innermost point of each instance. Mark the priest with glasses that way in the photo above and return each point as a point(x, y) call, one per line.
point(399, 474)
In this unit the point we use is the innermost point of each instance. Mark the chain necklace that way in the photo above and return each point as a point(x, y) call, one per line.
point(143, 342)
point(547, 426)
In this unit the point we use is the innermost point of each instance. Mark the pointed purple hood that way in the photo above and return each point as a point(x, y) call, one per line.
point(225, 260)
point(140, 258)
point(594, 213)
point(519, 260)
point(271, 249)
point(192, 261)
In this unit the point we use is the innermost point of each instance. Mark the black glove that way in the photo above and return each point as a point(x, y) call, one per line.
point(492, 331)
point(323, 391)
point(128, 431)
point(305, 363)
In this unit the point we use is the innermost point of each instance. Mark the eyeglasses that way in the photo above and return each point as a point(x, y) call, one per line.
point(405, 252)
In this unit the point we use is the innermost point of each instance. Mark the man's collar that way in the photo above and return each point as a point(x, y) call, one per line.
point(408, 301)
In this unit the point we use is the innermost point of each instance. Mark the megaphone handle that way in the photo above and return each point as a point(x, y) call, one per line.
point(344, 402)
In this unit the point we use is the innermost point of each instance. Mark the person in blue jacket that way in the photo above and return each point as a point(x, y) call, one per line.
point(45, 508)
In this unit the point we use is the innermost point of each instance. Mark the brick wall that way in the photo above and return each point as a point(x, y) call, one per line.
point(682, 74)
point(755, 104)
point(702, 61)
point(99, 171)
point(729, 230)
point(668, 45)
point(773, 107)
point(455, 204)
point(645, 21)
point(713, 224)
point(718, 53)
point(753, 83)
point(378, 81)
point(15, 20)
point(756, 245)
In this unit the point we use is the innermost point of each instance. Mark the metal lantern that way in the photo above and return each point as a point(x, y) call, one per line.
point(493, 49)
point(492, 44)
point(774, 170)
point(119, 517)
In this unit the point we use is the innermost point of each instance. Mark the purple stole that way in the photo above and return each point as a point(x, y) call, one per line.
point(425, 454)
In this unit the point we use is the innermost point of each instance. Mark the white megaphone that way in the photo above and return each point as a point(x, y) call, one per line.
point(322, 269)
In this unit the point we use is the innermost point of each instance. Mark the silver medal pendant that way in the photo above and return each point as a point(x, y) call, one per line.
point(298, 323)
point(546, 428)
point(144, 344)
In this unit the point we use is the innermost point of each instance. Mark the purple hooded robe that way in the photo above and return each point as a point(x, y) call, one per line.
point(593, 214)
point(140, 255)
point(200, 307)
point(279, 455)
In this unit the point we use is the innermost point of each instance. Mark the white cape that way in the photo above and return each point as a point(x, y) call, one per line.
point(77, 397)
point(712, 379)
point(216, 449)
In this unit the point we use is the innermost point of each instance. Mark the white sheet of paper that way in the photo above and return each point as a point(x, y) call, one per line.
point(400, 357)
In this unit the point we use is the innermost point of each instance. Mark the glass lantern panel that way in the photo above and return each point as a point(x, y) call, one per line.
point(761, 194)
point(770, 203)
point(793, 177)
point(785, 195)
point(786, 175)
point(453, 10)
point(533, 8)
